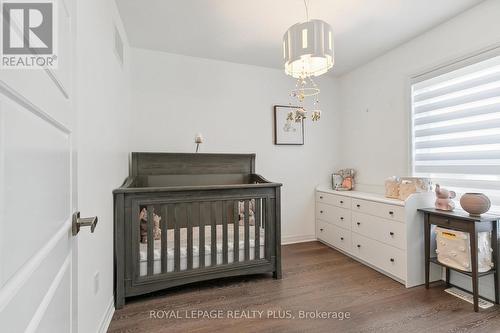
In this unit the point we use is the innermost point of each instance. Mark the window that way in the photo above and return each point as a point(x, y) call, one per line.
point(456, 126)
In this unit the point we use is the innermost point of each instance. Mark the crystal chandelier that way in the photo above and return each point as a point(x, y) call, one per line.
point(307, 53)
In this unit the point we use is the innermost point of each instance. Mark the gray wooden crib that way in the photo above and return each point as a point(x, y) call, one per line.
point(182, 218)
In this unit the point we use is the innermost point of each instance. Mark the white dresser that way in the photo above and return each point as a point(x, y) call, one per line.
point(385, 234)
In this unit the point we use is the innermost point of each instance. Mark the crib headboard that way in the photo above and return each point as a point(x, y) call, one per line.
point(169, 169)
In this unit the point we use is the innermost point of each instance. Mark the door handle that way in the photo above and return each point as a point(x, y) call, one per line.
point(78, 222)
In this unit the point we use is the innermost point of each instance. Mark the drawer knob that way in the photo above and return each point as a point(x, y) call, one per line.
point(321, 211)
point(341, 238)
point(358, 223)
point(342, 218)
point(392, 259)
point(391, 213)
point(321, 229)
point(391, 233)
point(321, 197)
point(341, 201)
point(358, 205)
point(359, 246)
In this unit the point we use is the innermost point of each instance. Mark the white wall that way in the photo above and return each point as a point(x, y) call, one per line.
point(103, 145)
point(374, 105)
point(375, 97)
point(174, 97)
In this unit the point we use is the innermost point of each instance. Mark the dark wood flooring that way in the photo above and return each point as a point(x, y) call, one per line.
point(315, 277)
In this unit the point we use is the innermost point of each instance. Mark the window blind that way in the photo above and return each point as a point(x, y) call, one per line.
point(456, 127)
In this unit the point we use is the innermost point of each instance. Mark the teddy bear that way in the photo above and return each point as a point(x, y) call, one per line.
point(444, 199)
point(143, 216)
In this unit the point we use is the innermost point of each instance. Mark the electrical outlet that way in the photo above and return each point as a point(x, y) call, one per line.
point(96, 282)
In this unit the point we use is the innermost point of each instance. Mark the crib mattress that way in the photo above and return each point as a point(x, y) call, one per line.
point(143, 249)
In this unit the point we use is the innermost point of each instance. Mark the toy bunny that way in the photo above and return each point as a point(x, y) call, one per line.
point(444, 199)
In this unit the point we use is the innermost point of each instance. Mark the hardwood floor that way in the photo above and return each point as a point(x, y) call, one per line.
point(315, 278)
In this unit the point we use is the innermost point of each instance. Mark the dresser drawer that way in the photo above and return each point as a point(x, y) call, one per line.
point(333, 199)
point(363, 248)
point(385, 257)
point(342, 238)
point(393, 261)
point(335, 215)
point(386, 231)
point(391, 212)
point(333, 235)
point(324, 232)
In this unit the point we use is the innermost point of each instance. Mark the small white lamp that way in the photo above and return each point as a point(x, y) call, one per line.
point(198, 139)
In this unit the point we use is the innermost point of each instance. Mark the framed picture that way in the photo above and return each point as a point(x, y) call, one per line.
point(286, 130)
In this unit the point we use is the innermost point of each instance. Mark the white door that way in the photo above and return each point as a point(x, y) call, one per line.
point(38, 190)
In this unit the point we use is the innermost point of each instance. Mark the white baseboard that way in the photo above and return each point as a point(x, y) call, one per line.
point(297, 239)
point(108, 315)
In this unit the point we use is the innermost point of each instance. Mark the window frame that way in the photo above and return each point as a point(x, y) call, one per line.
point(443, 68)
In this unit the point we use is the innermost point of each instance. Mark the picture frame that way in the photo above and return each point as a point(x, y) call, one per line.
point(286, 132)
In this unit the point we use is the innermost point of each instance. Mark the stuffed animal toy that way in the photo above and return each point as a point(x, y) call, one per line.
point(143, 216)
point(443, 199)
point(251, 210)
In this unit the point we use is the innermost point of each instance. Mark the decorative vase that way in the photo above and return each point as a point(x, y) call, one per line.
point(475, 203)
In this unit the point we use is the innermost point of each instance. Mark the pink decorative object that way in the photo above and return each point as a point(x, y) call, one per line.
point(443, 198)
point(475, 203)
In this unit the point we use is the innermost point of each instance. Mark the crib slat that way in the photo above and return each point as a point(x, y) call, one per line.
point(256, 215)
point(236, 231)
point(136, 241)
point(267, 229)
point(151, 241)
point(213, 236)
point(247, 230)
point(177, 240)
point(224, 232)
point(201, 231)
point(164, 234)
point(265, 224)
point(189, 223)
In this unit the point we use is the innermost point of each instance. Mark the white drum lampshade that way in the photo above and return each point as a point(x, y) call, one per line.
point(308, 49)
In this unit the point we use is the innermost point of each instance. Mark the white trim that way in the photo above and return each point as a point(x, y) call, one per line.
point(457, 63)
point(17, 281)
point(285, 240)
point(108, 315)
point(15, 96)
point(2, 182)
point(53, 76)
point(42, 307)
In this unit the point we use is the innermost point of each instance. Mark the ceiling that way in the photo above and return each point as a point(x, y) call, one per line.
point(250, 31)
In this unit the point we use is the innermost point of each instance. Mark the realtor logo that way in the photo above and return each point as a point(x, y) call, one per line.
point(28, 34)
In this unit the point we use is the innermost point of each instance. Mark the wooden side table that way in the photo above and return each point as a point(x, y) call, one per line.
point(462, 221)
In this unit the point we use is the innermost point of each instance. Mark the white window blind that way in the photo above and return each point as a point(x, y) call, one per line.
point(456, 126)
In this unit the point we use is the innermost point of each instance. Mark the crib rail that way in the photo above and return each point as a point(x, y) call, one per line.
point(181, 236)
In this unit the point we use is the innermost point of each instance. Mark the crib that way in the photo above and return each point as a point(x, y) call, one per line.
point(181, 218)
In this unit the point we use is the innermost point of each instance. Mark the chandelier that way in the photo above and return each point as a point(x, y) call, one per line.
point(307, 53)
